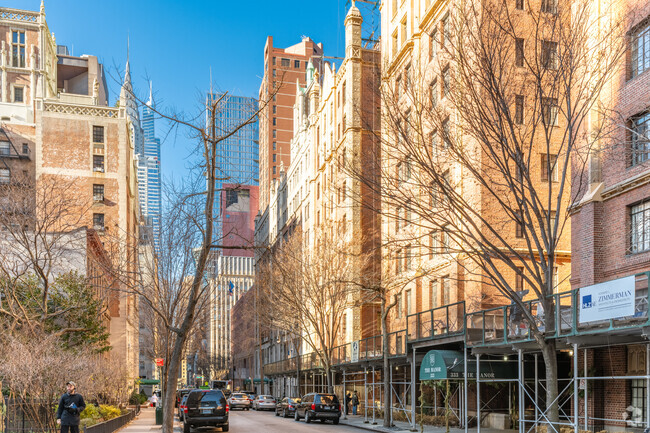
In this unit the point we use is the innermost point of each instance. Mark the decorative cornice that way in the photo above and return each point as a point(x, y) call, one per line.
point(627, 185)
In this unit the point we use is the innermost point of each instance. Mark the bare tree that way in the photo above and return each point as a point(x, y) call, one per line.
point(310, 286)
point(485, 148)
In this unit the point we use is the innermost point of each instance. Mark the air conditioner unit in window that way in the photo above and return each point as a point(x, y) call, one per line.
point(98, 169)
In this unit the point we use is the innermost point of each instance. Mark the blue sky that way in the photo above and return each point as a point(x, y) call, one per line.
point(175, 43)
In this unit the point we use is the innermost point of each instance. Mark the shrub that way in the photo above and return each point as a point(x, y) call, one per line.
point(109, 412)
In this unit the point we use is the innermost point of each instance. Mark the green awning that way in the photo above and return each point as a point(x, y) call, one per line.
point(257, 380)
point(149, 381)
point(449, 364)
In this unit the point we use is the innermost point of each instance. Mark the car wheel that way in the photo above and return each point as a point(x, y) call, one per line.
point(284, 413)
point(307, 418)
point(322, 421)
point(186, 428)
point(225, 427)
point(296, 417)
point(335, 421)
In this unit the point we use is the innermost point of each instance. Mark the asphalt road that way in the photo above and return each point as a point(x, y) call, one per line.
point(254, 421)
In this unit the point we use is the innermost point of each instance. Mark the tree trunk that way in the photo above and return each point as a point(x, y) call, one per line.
point(550, 360)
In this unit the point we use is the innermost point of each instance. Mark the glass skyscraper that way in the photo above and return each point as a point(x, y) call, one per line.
point(149, 172)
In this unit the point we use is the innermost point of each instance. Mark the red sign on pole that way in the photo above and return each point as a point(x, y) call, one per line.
point(160, 362)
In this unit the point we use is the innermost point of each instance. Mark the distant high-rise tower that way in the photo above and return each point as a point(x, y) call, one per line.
point(149, 178)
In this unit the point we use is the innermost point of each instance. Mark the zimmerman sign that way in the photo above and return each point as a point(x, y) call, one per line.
point(610, 300)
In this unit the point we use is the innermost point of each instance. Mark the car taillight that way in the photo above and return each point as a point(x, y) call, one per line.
point(313, 406)
point(290, 407)
point(185, 409)
point(227, 408)
point(340, 408)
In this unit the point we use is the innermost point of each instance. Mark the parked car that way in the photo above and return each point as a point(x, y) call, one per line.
point(264, 402)
point(318, 406)
point(180, 393)
point(251, 395)
point(287, 407)
point(239, 400)
point(206, 408)
point(182, 408)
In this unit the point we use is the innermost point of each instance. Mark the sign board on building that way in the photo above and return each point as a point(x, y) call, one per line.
point(355, 352)
point(610, 300)
point(160, 362)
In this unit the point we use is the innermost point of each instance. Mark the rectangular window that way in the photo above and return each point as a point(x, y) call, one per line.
point(296, 64)
point(446, 290)
point(98, 221)
point(274, 170)
point(98, 192)
point(519, 52)
point(400, 304)
point(433, 294)
point(446, 82)
point(640, 47)
point(446, 241)
point(18, 49)
point(19, 94)
point(549, 111)
point(409, 307)
point(5, 148)
point(433, 45)
point(98, 134)
point(98, 163)
point(274, 134)
point(285, 63)
point(519, 229)
point(398, 216)
point(446, 30)
point(549, 165)
point(275, 145)
point(275, 109)
point(394, 38)
point(343, 92)
point(640, 227)
point(408, 257)
point(640, 142)
point(274, 157)
point(5, 175)
point(519, 4)
point(275, 121)
point(433, 243)
point(519, 279)
point(433, 90)
point(403, 31)
point(25, 149)
point(638, 392)
point(446, 134)
point(519, 109)
point(549, 6)
point(549, 54)
point(435, 142)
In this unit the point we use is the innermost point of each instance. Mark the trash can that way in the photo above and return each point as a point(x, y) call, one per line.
point(159, 415)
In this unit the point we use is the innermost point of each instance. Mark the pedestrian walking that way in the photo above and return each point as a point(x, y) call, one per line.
point(154, 400)
point(71, 405)
point(355, 402)
point(348, 398)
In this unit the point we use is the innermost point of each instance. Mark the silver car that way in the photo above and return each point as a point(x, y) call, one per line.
point(239, 400)
point(264, 402)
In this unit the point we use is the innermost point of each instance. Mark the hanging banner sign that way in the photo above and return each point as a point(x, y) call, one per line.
point(610, 300)
point(355, 352)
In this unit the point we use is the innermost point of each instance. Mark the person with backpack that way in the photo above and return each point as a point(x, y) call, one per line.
point(71, 405)
point(355, 402)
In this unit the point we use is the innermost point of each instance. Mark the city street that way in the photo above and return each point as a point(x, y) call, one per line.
point(252, 421)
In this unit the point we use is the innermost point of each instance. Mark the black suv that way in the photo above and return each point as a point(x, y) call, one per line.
point(206, 408)
point(319, 406)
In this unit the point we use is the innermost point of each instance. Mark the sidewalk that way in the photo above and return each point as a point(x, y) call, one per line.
point(403, 427)
point(146, 423)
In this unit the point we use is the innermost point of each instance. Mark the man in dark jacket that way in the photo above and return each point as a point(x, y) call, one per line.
point(71, 405)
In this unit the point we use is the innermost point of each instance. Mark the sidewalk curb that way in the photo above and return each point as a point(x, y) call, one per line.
point(375, 428)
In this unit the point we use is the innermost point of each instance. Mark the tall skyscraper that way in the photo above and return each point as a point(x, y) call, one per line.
point(149, 178)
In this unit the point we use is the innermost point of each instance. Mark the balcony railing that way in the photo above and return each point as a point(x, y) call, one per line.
point(503, 325)
point(441, 322)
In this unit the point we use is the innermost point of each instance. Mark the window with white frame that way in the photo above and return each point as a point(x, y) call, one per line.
point(433, 294)
point(5, 148)
point(640, 227)
point(549, 111)
point(19, 94)
point(18, 49)
point(409, 306)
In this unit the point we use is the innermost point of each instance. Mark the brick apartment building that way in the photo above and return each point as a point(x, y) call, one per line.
point(283, 67)
point(56, 126)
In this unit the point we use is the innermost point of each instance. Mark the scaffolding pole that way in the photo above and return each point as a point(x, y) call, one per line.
point(520, 374)
point(575, 388)
point(413, 394)
point(536, 392)
point(365, 393)
point(374, 377)
point(465, 400)
point(647, 385)
point(586, 397)
point(345, 404)
point(478, 394)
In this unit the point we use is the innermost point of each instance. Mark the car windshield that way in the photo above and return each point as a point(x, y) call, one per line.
point(204, 397)
point(266, 397)
point(294, 400)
